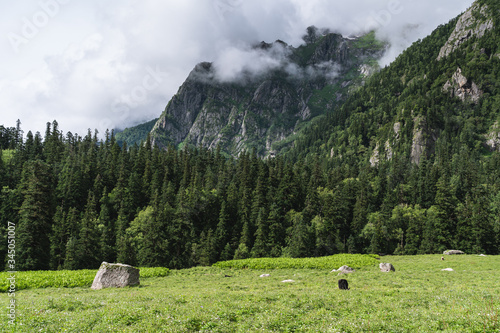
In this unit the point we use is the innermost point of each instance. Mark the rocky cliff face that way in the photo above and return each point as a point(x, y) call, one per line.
point(263, 111)
point(463, 88)
point(475, 22)
point(493, 137)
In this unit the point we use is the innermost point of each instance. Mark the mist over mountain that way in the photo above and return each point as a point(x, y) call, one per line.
point(267, 93)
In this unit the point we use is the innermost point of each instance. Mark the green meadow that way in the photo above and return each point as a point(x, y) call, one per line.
point(417, 297)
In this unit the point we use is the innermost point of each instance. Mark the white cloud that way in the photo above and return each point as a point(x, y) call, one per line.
point(97, 64)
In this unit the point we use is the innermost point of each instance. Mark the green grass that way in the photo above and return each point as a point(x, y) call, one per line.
point(65, 278)
point(418, 297)
point(330, 262)
point(368, 41)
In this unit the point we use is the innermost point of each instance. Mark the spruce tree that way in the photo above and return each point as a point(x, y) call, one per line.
point(35, 217)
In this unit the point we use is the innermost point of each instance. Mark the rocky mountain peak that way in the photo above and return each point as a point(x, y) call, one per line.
point(261, 110)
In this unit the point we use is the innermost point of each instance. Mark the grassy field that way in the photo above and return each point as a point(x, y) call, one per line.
point(418, 297)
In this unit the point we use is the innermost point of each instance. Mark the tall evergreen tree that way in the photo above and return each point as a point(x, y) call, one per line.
point(35, 222)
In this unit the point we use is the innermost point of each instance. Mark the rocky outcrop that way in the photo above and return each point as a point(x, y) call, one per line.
point(115, 275)
point(374, 159)
point(463, 88)
point(262, 110)
point(493, 138)
point(388, 145)
point(423, 140)
point(475, 22)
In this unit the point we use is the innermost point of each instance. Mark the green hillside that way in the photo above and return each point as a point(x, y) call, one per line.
point(135, 135)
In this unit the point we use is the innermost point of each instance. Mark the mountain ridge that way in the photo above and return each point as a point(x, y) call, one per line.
point(265, 109)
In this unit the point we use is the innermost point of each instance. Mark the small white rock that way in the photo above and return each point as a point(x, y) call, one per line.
point(287, 281)
point(448, 269)
point(265, 275)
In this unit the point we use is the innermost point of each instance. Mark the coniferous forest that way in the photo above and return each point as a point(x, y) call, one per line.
point(77, 201)
point(351, 183)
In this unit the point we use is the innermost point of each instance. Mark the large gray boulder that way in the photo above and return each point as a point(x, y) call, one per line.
point(453, 252)
point(386, 267)
point(115, 275)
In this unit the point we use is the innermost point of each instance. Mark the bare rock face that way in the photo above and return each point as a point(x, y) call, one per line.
point(493, 138)
point(459, 86)
point(256, 106)
point(386, 267)
point(115, 275)
point(374, 159)
point(453, 252)
point(423, 139)
point(474, 22)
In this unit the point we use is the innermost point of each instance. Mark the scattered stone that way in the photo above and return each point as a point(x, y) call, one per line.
point(343, 285)
point(453, 252)
point(448, 269)
point(386, 267)
point(265, 275)
point(482, 255)
point(115, 275)
point(288, 281)
point(345, 269)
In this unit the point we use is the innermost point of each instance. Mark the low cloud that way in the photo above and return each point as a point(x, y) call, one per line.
point(233, 63)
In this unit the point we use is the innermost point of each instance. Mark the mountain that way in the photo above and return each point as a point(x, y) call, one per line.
point(136, 134)
point(439, 97)
point(264, 110)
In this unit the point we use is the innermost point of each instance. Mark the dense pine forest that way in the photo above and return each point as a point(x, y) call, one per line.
point(77, 201)
point(402, 167)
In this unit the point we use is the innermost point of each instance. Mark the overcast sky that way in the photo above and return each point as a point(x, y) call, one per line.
point(116, 63)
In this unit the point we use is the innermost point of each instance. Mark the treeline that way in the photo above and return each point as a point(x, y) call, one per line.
point(77, 201)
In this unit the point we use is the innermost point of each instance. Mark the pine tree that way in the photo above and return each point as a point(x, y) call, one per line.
point(106, 227)
point(58, 239)
point(35, 223)
point(276, 237)
point(87, 252)
point(261, 246)
point(221, 232)
point(300, 239)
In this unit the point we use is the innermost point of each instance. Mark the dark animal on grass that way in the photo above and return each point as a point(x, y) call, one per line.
point(343, 285)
